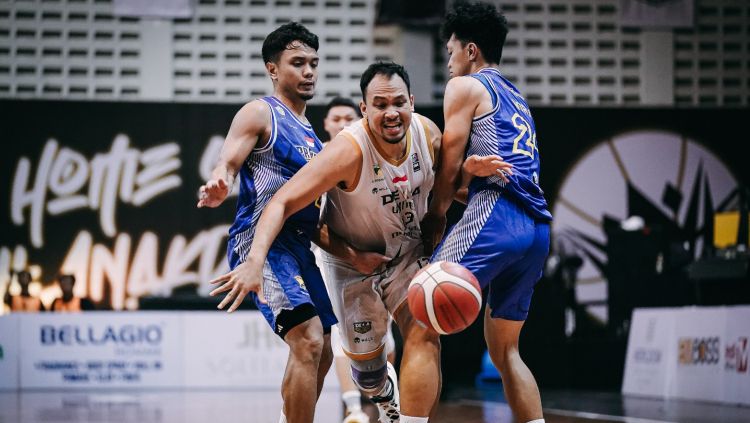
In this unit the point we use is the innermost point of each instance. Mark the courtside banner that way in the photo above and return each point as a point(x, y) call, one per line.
point(699, 338)
point(736, 352)
point(101, 349)
point(651, 354)
point(9, 352)
point(234, 350)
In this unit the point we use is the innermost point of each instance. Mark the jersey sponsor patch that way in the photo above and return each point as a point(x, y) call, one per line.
point(362, 327)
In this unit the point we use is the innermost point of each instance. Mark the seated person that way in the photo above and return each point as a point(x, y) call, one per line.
point(23, 302)
point(69, 302)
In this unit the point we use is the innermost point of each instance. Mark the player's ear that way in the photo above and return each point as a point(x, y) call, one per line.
point(272, 70)
point(411, 100)
point(472, 50)
point(363, 108)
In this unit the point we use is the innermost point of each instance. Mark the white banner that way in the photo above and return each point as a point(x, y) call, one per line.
point(736, 352)
point(656, 13)
point(9, 352)
point(698, 353)
point(236, 350)
point(101, 349)
point(699, 336)
point(649, 367)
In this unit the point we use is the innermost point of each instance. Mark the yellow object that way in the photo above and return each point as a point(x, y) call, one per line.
point(726, 225)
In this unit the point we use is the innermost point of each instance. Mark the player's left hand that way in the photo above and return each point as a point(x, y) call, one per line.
point(246, 277)
point(367, 263)
point(491, 165)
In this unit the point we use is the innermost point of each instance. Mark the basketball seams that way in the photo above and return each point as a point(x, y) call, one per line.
point(437, 298)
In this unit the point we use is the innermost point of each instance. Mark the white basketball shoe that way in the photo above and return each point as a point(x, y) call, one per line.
point(388, 404)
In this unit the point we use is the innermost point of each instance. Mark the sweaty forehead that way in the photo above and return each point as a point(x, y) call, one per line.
point(384, 86)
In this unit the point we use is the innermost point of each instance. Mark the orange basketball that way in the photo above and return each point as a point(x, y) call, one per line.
point(445, 296)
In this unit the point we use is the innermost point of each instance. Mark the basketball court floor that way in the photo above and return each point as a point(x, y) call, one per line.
point(462, 405)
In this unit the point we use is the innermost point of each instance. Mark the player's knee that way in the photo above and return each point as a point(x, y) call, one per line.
point(502, 356)
point(308, 346)
point(369, 380)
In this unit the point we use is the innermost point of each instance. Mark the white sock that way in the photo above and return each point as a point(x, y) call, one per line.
point(536, 421)
point(352, 401)
point(410, 419)
point(282, 419)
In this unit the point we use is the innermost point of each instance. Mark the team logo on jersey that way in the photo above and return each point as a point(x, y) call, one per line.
point(362, 327)
point(415, 163)
point(301, 282)
point(310, 141)
point(398, 179)
point(306, 152)
point(378, 173)
point(280, 110)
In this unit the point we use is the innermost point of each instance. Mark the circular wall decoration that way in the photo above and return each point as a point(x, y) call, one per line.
point(662, 177)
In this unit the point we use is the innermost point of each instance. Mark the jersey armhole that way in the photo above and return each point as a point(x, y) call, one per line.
point(274, 131)
point(494, 95)
point(354, 142)
point(428, 135)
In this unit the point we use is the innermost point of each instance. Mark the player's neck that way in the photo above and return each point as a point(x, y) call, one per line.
point(296, 105)
point(391, 152)
point(479, 65)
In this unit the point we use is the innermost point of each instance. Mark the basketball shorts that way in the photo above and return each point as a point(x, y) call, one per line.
point(365, 304)
point(292, 284)
point(505, 248)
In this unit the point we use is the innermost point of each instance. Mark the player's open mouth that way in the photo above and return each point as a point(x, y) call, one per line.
point(393, 128)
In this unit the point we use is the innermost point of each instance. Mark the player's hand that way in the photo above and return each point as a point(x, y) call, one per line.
point(367, 262)
point(213, 193)
point(492, 165)
point(246, 277)
point(433, 227)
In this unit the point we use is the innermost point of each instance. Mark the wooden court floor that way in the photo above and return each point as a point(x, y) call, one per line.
point(464, 405)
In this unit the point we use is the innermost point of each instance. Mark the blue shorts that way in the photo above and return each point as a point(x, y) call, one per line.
point(505, 248)
point(292, 285)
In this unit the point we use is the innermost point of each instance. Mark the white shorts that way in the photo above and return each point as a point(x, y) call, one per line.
point(364, 305)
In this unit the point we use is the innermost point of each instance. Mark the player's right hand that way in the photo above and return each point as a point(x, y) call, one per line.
point(491, 165)
point(433, 227)
point(213, 193)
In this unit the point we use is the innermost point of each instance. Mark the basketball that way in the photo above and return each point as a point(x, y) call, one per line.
point(445, 296)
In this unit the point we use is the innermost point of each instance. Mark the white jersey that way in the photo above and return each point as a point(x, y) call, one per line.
point(383, 211)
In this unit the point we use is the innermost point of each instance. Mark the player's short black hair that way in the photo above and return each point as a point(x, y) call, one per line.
point(279, 40)
point(479, 23)
point(341, 101)
point(383, 68)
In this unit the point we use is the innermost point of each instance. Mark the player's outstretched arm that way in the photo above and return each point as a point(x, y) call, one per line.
point(250, 126)
point(461, 100)
point(336, 164)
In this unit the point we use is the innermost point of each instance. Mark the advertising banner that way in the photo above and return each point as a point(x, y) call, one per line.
point(9, 352)
point(236, 350)
point(699, 336)
point(101, 349)
point(736, 352)
point(650, 358)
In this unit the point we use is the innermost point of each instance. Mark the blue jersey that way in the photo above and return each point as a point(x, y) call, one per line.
point(508, 131)
point(291, 145)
